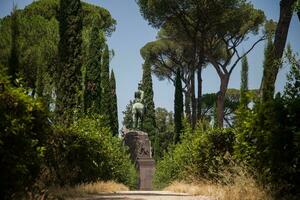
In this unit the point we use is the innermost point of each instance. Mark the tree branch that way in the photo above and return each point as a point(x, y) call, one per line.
point(250, 49)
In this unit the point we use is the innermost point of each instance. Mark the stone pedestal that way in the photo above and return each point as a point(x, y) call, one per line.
point(140, 152)
point(146, 169)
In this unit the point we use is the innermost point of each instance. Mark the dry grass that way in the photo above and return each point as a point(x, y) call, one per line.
point(242, 188)
point(98, 187)
point(88, 188)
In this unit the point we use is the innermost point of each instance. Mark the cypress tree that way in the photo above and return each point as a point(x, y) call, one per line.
point(244, 82)
point(106, 88)
point(178, 107)
point(267, 88)
point(114, 105)
point(92, 82)
point(13, 66)
point(149, 124)
point(69, 50)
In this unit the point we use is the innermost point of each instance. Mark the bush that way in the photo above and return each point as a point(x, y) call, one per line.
point(268, 141)
point(201, 154)
point(23, 130)
point(88, 152)
point(268, 136)
point(35, 154)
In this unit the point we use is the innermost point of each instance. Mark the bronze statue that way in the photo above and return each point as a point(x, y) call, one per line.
point(138, 108)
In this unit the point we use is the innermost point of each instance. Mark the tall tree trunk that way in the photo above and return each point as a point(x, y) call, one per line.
point(221, 99)
point(270, 74)
point(193, 98)
point(199, 106)
point(286, 13)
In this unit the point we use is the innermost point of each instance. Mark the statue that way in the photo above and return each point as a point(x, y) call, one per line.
point(138, 108)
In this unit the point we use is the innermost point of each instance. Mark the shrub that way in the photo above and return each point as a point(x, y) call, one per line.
point(35, 154)
point(88, 152)
point(268, 136)
point(23, 130)
point(267, 142)
point(201, 154)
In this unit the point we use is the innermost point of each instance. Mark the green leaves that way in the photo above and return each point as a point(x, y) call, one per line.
point(106, 97)
point(89, 147)
point(149, 123)
point(195, 32)
point(23, 131)
point(201, 154)
point(92, 71)
point(114, 123)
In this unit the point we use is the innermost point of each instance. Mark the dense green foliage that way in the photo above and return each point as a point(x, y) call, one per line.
point(244, 82)
point(114, 105)
point(49, 9)
point(45, 42)
point(149, 124)
point(70, 61)
point(164, 137)
point(38, 43)
point(268, 137)
point(264, 139)
point(86, 152)
point(13, 64)
point(201, 154)
point(92, 78)
point(127, 119)
point(178, 107)
point(268, 89)
point(53, 55)
point(23, 130)
point(29, 145)
point(268, 140)
point(106, 97)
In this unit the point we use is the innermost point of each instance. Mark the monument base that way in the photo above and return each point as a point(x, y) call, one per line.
point(146, 168)
point(140, 153)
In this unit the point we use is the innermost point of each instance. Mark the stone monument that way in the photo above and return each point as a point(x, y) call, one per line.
point(139, 144)
point(140, 152)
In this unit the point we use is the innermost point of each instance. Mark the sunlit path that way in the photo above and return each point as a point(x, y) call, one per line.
point(145, 195)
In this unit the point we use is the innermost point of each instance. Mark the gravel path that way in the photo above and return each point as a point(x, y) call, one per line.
point(145, 195)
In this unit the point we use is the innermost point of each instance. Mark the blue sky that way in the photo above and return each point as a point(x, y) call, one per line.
point(133, 32)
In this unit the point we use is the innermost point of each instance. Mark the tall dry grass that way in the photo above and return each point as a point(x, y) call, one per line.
point(234, 185)
point(86, 189)
point(220, 192)
point(100, 187)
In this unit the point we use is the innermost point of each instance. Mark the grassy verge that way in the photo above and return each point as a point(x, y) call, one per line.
point(242, 188)
point(86, 189)
point(236, 183)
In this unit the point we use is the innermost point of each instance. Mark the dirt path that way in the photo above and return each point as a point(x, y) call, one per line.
point(145, 195)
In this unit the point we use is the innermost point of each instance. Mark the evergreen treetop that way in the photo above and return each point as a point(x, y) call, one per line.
point(149, 124)
point(92, 92)
point(106, 98)
point(13, 65)
point(114, 105)
point(178, 107)
point(70, 60)
point(244, 82)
